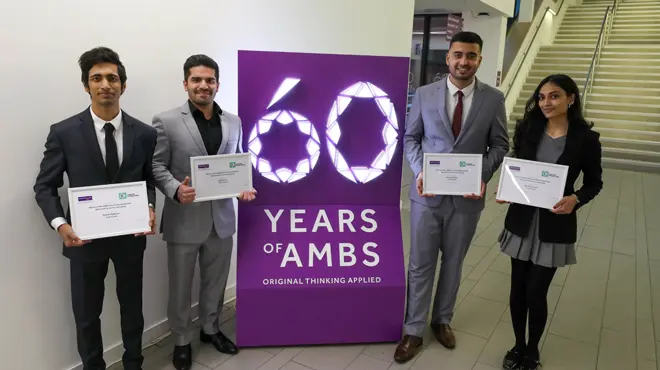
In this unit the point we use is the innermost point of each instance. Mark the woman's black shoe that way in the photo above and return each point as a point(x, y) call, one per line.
point(512, 360)
point(529, 363)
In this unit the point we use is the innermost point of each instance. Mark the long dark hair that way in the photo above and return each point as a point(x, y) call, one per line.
point(530, 129)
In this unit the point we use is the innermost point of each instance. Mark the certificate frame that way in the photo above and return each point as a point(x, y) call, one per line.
point(477, 158)
point(74, 192)
point(508, 161)
point(246, 157)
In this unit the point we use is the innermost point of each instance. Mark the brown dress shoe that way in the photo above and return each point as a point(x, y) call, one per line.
point(407, 348)
point(444, 335)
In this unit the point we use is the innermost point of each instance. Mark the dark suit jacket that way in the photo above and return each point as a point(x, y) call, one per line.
point(582, 153)
point(72, 147)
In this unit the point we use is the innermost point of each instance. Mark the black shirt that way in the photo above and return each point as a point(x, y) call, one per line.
point(210, 129)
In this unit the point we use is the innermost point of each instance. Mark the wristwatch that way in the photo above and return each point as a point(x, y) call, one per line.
point(152, 206)
point(577, 199)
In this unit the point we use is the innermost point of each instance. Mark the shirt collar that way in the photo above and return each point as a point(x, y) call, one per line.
point(194, 109)
point(99, 123)
point(467, 91)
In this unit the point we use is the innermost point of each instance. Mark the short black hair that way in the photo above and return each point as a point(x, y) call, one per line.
point(200, 60)
point(468, 38)
point(100, 55)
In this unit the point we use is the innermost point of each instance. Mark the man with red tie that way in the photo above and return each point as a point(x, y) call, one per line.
point(457, 114)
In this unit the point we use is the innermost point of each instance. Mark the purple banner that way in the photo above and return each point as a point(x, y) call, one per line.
point(320, 252)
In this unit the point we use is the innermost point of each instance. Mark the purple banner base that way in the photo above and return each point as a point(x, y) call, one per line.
point(310, 324)
point(306, 277)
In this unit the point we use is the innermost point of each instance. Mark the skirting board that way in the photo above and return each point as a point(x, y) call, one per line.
point(153, 334)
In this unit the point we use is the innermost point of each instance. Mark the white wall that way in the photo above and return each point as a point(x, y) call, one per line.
point(153, 37)
point(492, 30)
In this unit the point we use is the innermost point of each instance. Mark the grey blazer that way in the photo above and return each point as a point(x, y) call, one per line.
point(428, 130)
point(178, 140)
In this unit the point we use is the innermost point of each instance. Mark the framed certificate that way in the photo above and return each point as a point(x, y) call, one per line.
point(221, 176)
point(109, 210)
point(531, 183)
point(452, 173)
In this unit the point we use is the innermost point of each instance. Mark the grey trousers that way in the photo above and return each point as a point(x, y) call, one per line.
point(214, 263)
point(434, 230)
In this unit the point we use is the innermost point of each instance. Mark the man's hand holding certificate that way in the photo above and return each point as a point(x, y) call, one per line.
point(452, 174)
point(219, 177)
point(536, 184)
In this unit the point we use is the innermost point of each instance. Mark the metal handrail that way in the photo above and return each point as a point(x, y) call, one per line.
point(603, 35)
point(529, 46)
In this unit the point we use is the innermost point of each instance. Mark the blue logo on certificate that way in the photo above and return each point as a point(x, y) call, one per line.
point(434, 162)
point(514, 168)
point(85, 198)
point(202, 166)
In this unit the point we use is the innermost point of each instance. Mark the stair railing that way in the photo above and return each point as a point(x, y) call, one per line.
point(521, 62)
point(605, 28)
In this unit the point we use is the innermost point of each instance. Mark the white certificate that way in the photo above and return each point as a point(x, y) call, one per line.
point(221, 176)
point(109, 210)
point(452, 173)
point(532, 183)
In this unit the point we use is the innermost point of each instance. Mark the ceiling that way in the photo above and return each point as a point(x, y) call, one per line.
point(453, 6)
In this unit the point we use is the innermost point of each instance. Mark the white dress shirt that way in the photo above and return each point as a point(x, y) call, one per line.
point(451, 100)
point(100, 136)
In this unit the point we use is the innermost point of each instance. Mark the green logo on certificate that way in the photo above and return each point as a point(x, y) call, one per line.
point(463, 164)
point(232, 164)
point(122, 196)
point(545, 174)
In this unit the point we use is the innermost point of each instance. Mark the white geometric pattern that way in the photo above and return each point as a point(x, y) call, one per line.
point(304, 166)
point(390, 134)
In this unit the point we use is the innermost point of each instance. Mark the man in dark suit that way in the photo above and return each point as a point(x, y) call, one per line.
point(102, 145)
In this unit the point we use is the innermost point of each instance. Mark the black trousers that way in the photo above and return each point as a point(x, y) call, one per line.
point(87, 293)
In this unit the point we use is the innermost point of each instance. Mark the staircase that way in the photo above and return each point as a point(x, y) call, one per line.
point(570, 54)
point(624, 102)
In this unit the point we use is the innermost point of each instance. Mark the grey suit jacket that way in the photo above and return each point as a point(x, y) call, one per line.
point(178, 140)
point(428, 130)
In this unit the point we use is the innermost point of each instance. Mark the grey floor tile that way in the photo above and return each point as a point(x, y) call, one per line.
point(463, 357)
point(364, 362)
point(329, 357)
point(478, 316)
point(617, 351)
point(565, 354)
point(493, 286)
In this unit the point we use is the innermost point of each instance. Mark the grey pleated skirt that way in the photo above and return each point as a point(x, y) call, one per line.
point(530, 248)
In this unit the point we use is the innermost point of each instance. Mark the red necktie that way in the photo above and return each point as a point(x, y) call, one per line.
point(458, 115)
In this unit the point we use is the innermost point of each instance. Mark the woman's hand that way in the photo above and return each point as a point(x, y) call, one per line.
point(497, 200)
point(565, 205)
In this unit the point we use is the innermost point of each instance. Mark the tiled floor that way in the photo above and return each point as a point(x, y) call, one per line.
point(604, 311)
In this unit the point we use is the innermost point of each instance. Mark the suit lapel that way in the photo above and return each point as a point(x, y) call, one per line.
point(441, 98)
point(225, 133)
point(88, 131)
point(190, 123)
point(128, 137)
point(477, 101)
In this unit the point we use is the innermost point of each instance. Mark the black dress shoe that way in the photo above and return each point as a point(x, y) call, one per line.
point(182, 357)
point(529, 363)
point(220, 342)
point(512, 360)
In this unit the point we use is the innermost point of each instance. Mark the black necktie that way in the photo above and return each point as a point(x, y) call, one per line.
point(111, 156)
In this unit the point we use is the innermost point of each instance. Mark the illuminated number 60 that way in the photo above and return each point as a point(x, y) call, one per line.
point(360, 90)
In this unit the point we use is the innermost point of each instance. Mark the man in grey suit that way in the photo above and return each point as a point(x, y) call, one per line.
point(457, 114)
point(201, 230)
